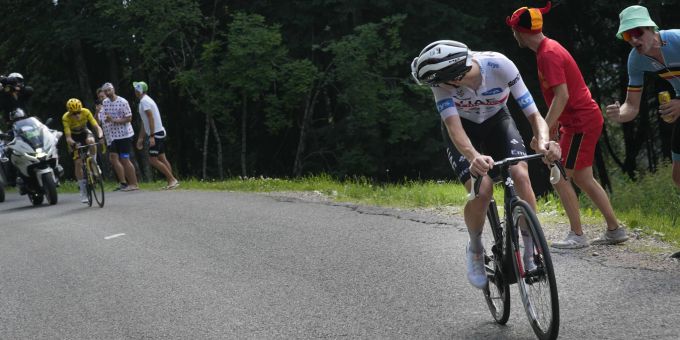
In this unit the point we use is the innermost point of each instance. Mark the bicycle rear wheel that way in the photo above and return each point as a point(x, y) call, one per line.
point(97, 182)
point(497, 292)
point(537, 286)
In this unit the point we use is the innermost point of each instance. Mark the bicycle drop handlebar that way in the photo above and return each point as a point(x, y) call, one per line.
point(556, 171)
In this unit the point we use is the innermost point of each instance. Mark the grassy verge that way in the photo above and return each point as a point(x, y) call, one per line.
point(651, 204)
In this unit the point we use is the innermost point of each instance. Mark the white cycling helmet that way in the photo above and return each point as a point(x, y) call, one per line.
point(15, 75)
point(16, 114)
point(441, 61)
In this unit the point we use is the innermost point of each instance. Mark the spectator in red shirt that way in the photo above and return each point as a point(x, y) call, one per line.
point(579, 120)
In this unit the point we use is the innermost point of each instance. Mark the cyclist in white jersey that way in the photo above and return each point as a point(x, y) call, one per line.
point(471, 90)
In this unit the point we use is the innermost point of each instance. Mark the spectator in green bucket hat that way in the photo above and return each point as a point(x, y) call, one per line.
point(654, 51)
point(633, 17)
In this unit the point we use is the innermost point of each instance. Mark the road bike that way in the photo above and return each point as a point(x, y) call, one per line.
point(92, 173)
point(506, 263)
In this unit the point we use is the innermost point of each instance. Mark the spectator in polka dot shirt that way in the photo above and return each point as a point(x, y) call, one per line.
point(118, 131)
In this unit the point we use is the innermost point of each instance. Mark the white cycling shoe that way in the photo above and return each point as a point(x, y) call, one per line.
point(476, 272)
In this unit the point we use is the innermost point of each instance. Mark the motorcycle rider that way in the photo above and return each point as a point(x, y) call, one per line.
point(15, 94)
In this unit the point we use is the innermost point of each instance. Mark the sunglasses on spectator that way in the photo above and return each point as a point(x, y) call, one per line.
point(632, 33)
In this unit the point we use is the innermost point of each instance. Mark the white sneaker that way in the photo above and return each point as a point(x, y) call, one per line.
point(572, 241)
point(83, 198)
point(609, 237)
point(476, 273)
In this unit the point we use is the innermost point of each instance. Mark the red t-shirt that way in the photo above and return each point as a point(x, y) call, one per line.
point(556, 66)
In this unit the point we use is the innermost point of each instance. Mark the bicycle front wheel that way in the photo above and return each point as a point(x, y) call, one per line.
point(535, 274)
point(497, 292)
point(97, 182)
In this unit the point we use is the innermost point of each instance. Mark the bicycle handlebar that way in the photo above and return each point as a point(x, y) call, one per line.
point(81, 146)
point(556, 172)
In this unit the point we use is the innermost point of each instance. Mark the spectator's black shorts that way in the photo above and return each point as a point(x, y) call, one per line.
point(157, 149)
point(122, 147)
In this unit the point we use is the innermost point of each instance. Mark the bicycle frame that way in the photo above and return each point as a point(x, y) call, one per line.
point(510, 198)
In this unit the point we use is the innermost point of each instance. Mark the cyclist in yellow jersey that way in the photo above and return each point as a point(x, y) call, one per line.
point(75, 122)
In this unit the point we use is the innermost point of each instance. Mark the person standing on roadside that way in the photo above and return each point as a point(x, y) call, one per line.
point(154, 130)
point(98, 114)
point(116, 119)
point(579, 119)
point(652, 51)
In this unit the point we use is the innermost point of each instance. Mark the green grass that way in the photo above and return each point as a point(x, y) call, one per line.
point(652, 204)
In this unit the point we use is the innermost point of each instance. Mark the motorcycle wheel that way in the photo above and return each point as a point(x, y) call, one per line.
point(50, 188)
point(36, 199)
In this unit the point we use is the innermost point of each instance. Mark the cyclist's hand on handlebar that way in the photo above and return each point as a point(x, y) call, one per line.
point(480, 165)
point(613, 112)
point(551, 149)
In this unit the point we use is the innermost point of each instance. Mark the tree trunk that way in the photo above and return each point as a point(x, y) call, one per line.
point(205, 146)
point(244, 125)
point(306, 123)
point(218, 140)
point(81, 73)
point(112, 59)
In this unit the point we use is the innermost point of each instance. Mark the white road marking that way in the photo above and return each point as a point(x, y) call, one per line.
point(113, 236)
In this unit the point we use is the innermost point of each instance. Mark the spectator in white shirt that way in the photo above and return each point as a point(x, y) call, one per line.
point(153, 128)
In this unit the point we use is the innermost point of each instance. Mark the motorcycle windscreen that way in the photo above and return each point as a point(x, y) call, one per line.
point(31, 131)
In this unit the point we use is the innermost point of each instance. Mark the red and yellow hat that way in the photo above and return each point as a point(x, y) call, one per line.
point(528, 20)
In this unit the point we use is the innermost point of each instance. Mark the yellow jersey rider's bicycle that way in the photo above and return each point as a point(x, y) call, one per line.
point(92, 173)
point(532, 272)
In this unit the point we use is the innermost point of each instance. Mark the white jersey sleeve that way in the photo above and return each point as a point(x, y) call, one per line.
point(445, 102)
point(517, 87)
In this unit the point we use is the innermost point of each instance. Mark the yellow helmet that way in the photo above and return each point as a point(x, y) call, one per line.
point(74, 105)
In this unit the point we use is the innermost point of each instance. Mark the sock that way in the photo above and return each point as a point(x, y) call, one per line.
point(82, 184)
point(476, 245)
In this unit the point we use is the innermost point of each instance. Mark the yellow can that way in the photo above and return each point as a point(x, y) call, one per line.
point(664, 97)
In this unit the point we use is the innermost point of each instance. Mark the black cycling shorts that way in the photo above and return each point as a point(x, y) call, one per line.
point(497, 137)
point(80, 138)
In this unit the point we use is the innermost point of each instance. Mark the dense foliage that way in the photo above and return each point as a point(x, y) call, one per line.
point(290, 88)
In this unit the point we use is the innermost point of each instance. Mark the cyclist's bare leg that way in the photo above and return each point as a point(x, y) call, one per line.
point(570, 203)
point(585, 180)
point(475, 213)
point(90, 141)
point(676, 174)
point(520, 176)
point(78, 168)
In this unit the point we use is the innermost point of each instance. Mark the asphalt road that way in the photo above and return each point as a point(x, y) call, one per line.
point(215, 265)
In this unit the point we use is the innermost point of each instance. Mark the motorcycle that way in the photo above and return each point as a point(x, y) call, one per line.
point(32, 150)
